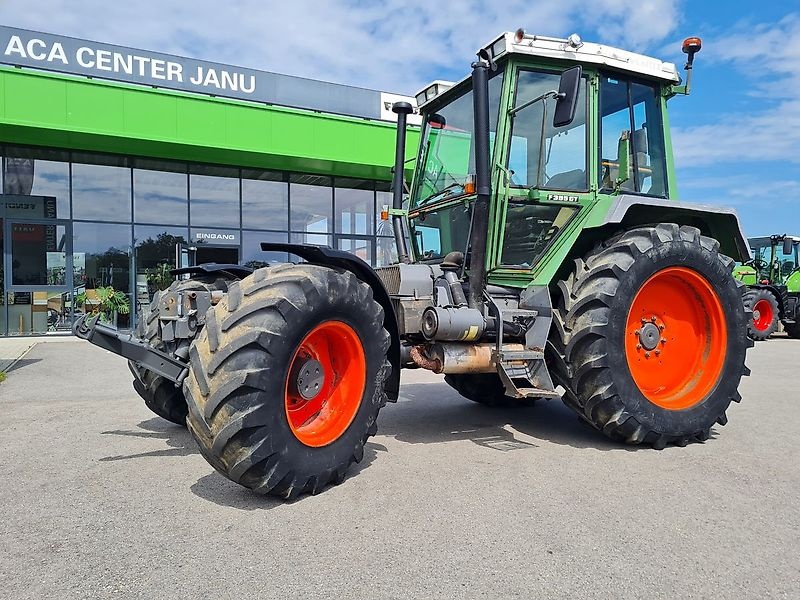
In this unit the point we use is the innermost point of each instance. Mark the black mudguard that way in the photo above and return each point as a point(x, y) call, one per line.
point(237, 271)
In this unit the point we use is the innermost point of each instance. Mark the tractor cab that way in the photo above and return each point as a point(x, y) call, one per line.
point(571, 124)
point(773, 277)
point(775, 258)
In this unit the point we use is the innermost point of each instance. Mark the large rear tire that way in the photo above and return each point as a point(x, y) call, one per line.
point(764, 306)
point(649, 333)
point(161, 395)
point(486, 389)
point(287, 378)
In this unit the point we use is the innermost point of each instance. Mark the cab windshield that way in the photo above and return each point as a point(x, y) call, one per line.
point(770, 256)
point(446, 151)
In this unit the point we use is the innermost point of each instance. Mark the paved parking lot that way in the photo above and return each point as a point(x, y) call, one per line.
point(101, 499)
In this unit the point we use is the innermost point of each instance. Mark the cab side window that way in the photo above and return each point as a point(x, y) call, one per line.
point(631, 109)
point(540, 155)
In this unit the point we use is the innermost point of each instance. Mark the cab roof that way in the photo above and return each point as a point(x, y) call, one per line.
point(575, 49)
point(572, 49)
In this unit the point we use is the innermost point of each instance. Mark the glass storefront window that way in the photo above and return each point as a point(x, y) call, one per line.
point(38, 254)
point(385, 251)
point(315, 239)
point(361, 247)
point(36, 312)
point(155, 248)
point(214, 196)
point(311, 201)
point(355, 206)
point(265, 199)
point(131, 213)
point(102, 256)
point(101, 188)
point(160, 193)
point(253, 256)
point(40, 173)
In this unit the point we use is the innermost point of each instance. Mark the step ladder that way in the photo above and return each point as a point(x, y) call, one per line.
point(524, 372)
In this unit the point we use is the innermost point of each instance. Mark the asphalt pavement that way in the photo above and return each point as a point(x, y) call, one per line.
point(102, 499)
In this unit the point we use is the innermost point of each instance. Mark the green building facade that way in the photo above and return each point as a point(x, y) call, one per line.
point(109, 181)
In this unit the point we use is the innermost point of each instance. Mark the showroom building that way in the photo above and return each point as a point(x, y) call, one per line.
point(118, 163)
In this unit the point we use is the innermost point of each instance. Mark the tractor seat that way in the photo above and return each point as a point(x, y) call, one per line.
point(568, 180)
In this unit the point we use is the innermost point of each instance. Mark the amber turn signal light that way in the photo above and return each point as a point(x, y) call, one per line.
point(469, 185)
point(691, 45)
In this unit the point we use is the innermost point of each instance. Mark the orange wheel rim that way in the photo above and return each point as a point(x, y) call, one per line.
point(676, 338)
point(327, 375)
point(762, 315)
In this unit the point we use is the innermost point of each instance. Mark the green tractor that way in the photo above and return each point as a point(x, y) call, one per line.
point(773, 276)
point(542, 254)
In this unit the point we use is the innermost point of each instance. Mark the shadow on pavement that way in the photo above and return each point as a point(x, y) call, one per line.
point(433, 413)
point(178, 439)
point(428, 413)
point(219, 490)
point(22, 363)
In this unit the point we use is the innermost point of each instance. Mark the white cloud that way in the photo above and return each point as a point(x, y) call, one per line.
point(768, 59)
point(394, 45)
point(741, 189)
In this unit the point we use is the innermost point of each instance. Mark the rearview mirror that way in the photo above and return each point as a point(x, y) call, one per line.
point(788, 245)
point(567, 96)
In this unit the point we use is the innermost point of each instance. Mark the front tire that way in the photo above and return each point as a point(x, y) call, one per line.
point(287, 378)
point(764, 307)
point(650, 333)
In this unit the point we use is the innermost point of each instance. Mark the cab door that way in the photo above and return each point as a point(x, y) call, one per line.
point(546, 176)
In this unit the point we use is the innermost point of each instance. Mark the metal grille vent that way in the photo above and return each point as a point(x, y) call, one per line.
point(390, 276)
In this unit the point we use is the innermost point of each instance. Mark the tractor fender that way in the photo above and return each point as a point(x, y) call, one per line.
point(237, 271)
point(339, 259)
point(720, 223)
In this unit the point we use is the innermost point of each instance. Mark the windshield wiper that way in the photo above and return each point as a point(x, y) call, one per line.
point(441, 193)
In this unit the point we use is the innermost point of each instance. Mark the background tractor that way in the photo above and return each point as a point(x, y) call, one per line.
point(542, 254)
point(773, 276)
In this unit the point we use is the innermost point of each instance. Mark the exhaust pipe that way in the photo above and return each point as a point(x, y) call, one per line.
point(458, 359)
point(483, 185)
point(402, 110)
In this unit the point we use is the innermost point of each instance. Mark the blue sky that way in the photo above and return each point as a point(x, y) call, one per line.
point(737, 137)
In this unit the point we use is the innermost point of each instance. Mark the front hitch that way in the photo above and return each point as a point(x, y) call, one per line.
point(130, 347)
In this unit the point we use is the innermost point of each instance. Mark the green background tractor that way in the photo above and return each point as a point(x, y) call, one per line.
point(773, 276)
point(542, 254)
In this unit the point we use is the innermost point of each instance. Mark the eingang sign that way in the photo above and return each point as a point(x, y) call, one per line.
point(225, 237)
point(20, 47)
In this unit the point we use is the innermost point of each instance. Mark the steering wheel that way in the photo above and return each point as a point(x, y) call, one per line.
point(757, 264)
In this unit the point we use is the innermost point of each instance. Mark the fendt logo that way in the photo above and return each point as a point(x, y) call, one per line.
point(215, 236)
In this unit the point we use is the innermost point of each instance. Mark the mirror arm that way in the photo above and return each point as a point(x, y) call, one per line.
point(550, 94)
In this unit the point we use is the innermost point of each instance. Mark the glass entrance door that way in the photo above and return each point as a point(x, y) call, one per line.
point(37, 277)
point(185, 255)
